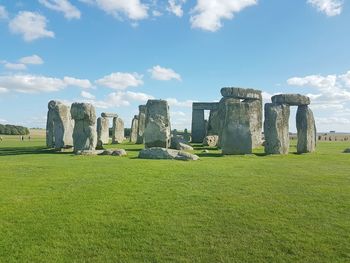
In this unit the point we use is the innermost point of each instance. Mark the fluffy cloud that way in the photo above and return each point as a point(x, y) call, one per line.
point(329, 7)
point(3, 12)
point(87, 95)
point(207, 14)
point(133, 9)
point(30, 25)
point(120, 81)
point(81, 83)
point(160, 73)
point(34, 60)
point(15, 66)
point(26, 83)
point(175, 7)
point(3, 90)
point(177, 103)
point(64, 6)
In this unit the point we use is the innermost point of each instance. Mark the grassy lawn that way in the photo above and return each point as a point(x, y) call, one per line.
point(57, 207)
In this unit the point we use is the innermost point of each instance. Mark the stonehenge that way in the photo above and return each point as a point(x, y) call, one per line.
point(59, 126)
point(157, 124)
point(103, 130)
point(276, 124)
point(141, 124)
point(117, 130)
point(134, 129)
point(84, 133)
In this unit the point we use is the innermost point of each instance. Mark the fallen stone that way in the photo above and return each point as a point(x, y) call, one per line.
point(89, 152)
point(205, 151)
point(184, 147)
point(306, 128)
point(163, 153)
point(241, 93)
point(179, 143)
point(211, 140)
point(276, 128)
point(119, 152)
point(291, 99)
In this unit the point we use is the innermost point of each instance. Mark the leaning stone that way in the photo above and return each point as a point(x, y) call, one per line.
point(276, 128)
point(291, 99)
point(163, 153)
point(119, 152)
point(157, 130)
point(109, 115)
point(240, 93)
point(306, 128)
point(84, 134)
point(117, 130)
point(211, 140)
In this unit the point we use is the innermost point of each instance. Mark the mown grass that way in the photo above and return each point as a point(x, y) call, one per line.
point(57, 207)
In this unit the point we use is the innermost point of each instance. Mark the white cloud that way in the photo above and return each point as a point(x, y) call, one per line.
point(121, 81)
point(15, 66)
point(133, 9)
point(156, 13)
point(177, 103)
point(160, 73)
point(64, 6)
point(81, 83)
point(3, 90)
point(87, 95)
point(329, 7)
point(31, 83)
point(30, 25)
point(34, 60)
point(207, 14)
point(3, 12)
point(175, 7)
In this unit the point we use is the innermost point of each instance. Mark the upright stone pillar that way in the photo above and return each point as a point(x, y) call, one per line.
point(276, 128)
point(59, 125)
point(84, 133)
point(118, 130)
point(134, 129)
point(157, 131)
point(306, 130)
point(198, 126)
point(213, 123)
point(103, 130)
point(141, 124)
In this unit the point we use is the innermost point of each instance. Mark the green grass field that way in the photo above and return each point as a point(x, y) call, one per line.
point(57, 207)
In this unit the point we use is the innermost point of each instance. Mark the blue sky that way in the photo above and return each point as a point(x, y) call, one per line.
point(118, 53)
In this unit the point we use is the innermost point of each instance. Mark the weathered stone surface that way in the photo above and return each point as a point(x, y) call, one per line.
point(276, 128)
point(213, 123)
point(255, 116)
point(179, 143)
point(141, 124)
point(163, 153)
point(211, 140)
point(84, 134)
point(109, 115)
point(89, 152)
point(103, 130)
point(99, 145)
point(134, 129)
point(119, 152)
point(117, 130)
point(157, 130)
point(59, 126)
point(240, 93)
point(187, 136)
point(236, 132)
point(291, 99)
point(198, 126)
point(306, 128)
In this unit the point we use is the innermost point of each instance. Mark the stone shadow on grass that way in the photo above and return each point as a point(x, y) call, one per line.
point(28, 150)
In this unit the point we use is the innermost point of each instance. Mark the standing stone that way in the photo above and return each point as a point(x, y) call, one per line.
point(236, 133)
point(59, 126)
point(187, 136)
point(103, 130)
point(157, 131)
point(141, 124)
point(84, 134)
point(276, 128)
point(118, 130)
point(256, 123)
point(213, 123)
point(198, 125)
point(306, 130)
point(134, 129)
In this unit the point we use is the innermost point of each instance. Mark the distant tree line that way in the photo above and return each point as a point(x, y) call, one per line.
point(13, 130)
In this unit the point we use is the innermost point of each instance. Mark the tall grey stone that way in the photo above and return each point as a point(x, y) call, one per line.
point(84, 133)
point(157, 129)
point(213, 123)
point(134, 129)
point(306, 128)
point(59, 125)
point(141, 124)
point(117, 130)
point(236, 133)
point(256, 122)
point(103, 130)
point(276, 128)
